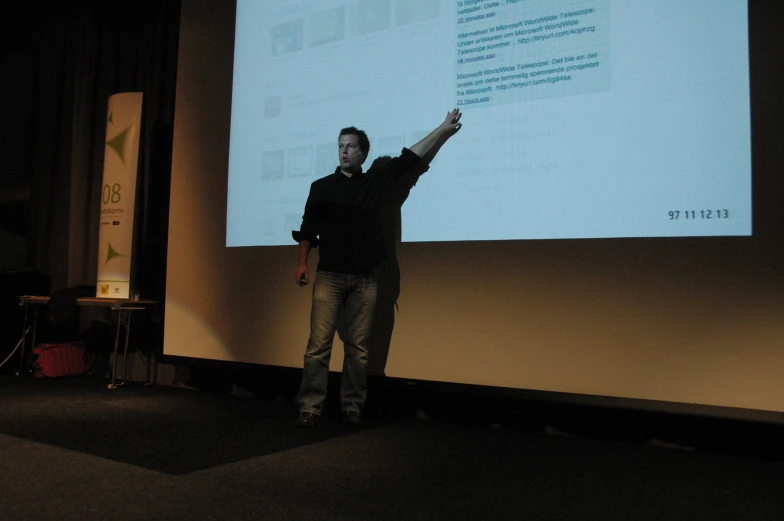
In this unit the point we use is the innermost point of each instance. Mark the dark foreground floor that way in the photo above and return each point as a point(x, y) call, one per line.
point(72, 449)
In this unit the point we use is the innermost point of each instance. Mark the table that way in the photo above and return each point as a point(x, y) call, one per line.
point(124, 308)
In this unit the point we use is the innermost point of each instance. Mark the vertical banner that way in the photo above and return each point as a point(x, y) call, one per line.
point(118, 194)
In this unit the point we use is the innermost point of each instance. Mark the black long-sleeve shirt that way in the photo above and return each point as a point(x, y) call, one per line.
point(342, 216)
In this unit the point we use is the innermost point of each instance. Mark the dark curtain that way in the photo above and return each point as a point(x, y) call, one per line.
point(61, 63)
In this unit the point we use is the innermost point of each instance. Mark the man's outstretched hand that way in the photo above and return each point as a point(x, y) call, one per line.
point(452, 123)
point(428, 146)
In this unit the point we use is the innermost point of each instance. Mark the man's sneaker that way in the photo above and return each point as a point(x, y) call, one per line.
point(306, 419)
point(352, 418)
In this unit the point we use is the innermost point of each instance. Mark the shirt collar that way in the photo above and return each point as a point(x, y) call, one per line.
point(340, 175)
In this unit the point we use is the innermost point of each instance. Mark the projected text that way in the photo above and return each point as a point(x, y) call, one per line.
point(506, 54)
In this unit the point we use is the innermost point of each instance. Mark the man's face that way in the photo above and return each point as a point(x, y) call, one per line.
point(349, 154)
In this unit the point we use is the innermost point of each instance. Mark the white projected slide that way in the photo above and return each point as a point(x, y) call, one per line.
point(582, 119)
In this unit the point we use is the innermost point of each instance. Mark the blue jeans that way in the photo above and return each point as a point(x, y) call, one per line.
point(334, 293)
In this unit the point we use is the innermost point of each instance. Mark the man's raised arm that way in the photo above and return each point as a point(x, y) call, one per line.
point(428, 146)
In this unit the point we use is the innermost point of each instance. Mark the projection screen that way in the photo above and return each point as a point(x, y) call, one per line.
point(585, 119)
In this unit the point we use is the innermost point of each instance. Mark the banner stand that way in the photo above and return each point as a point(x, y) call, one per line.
point(118, 196)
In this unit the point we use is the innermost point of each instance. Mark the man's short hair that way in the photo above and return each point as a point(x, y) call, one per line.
point(364, 142)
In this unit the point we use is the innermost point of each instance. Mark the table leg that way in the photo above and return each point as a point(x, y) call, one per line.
point(35, 327)
point(112, 385)
point(24, 342)
point(125, 352)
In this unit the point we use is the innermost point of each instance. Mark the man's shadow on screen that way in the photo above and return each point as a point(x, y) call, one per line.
point(387, 272)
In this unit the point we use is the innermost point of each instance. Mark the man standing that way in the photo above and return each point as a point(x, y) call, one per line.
point(341, 216)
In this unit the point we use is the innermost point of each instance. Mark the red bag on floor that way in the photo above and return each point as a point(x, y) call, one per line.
point(55, 360)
